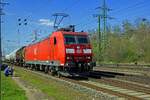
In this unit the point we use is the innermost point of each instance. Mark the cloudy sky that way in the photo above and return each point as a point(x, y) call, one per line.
point(39, 17)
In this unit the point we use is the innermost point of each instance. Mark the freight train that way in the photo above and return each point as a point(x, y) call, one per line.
point(64, 52)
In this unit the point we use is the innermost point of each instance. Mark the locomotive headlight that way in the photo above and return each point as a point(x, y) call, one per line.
point(70, 51)
point(88, 57)
point(87, 50)
point(68, 58)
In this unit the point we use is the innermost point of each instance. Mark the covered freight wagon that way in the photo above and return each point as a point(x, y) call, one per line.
point(20, 56)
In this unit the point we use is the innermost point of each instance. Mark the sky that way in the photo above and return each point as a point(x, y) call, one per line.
point(39, 17)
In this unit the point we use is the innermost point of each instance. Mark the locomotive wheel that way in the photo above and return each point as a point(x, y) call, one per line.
point(46, 69)
point(51, 72)
point(58, 74)
point(32, 67)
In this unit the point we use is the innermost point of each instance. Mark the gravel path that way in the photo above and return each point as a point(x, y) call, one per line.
point(31, 92)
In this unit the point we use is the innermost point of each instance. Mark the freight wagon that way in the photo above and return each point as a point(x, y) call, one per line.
point(11, 57)
point(20, 56)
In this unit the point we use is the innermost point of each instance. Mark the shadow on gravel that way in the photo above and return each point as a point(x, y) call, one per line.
point(99, 74)
point(79, 78)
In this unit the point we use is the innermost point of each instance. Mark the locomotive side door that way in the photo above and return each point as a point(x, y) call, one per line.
point(55, 48)
point(53, 43)
point(51, 49)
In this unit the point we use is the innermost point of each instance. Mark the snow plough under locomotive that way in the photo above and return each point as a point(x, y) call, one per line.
point(64, 52)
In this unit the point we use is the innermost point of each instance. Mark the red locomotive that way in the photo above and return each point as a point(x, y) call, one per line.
point(65, 51)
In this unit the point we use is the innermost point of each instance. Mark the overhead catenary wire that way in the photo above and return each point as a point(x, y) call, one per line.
point(89, 23)
point(72, 6)
point(136, 5)
point(137, 10)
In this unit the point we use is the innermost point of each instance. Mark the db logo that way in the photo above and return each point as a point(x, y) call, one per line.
point(35, 51)
point(79, 51)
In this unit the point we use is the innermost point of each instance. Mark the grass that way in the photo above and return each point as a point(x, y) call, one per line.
point(51, 87)
point(10, 90)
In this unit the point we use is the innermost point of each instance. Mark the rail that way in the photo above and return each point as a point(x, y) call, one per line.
point(122, 65)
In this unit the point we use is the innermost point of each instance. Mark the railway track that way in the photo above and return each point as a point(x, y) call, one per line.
point(132, 70)
point(126, 82)
point(119, 91)
point(144, 80)
point(126, 65)
point(130, 88)
point(141, 79)
point(110, 81)
point(106, 87)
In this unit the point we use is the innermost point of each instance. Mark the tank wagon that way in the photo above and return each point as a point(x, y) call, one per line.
point(64, 52)
point(12, 56)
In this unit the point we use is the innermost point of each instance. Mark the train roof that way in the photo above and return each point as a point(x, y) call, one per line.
point(75, 33)
point(70, 30)
point(12, 54)
point(14, 51)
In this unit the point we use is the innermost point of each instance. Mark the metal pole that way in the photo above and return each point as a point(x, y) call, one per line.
point(103, 36)
point(18, 38)
point(104, 15)
point(99, 37)
point(0, 48)
point(1, 13)
point(104, 11)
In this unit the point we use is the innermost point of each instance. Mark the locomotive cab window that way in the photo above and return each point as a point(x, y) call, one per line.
point(76, 39)
point(70, 39)
point(55, 41)
point(82, 39)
